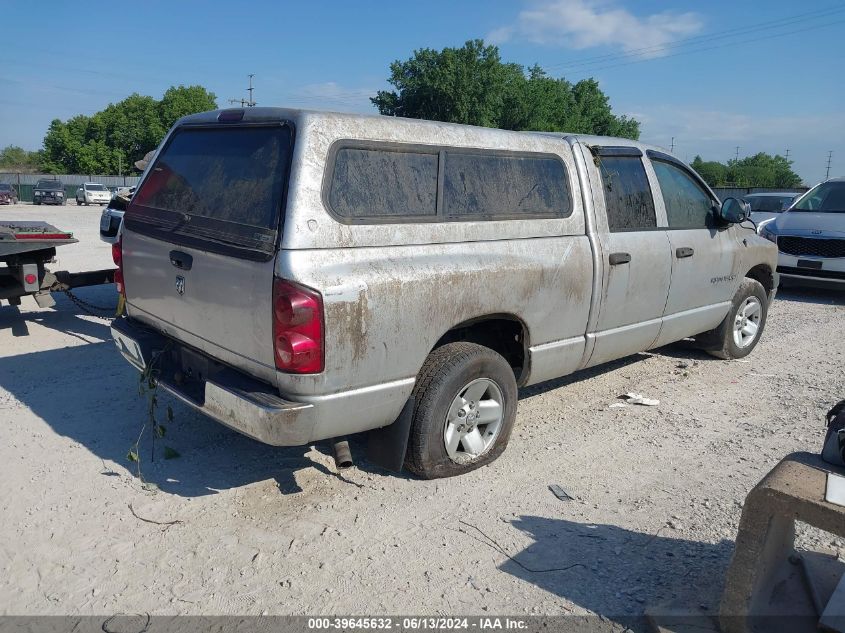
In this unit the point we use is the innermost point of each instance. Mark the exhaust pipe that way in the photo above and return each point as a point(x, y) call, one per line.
point(342, 454)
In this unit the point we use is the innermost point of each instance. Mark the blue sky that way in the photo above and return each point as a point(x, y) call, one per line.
point(763, 75)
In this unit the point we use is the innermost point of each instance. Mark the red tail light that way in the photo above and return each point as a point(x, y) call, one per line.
point(297, 328)
point(117, 257)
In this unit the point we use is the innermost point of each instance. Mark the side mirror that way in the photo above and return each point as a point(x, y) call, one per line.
point(734, 211)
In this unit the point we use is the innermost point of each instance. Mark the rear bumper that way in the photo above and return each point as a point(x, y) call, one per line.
point(232, 398)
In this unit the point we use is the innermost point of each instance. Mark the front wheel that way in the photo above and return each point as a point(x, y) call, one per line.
point(741, 330)
point(464, 411)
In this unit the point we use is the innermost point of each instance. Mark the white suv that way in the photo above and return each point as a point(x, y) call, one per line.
point(92, 193)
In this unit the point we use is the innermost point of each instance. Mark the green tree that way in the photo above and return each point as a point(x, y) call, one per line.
point(458, 85)
point(110, 141)
point(714, 173)
point(181, 101)
point(760, 170)
point(473, 85)
point(133, 127)
point(763, 170)
point(14, 158)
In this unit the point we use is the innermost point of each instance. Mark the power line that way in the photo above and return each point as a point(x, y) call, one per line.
point(710, 48)
point(702, 39)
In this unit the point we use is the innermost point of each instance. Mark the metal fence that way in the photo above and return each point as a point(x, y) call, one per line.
point(25, 183)
point(739, 192)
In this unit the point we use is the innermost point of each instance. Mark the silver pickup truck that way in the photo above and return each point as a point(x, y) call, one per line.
point(301, 276)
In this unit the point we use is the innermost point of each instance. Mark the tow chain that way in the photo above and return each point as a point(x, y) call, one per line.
point(90, 308)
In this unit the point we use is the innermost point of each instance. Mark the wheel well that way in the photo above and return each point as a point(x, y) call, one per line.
point(763, 274)
point(503, 334)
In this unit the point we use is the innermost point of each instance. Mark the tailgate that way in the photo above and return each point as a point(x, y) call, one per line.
point(200, 238)
point(222, 305)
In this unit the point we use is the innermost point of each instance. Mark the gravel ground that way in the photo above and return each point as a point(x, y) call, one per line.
point(657, 491)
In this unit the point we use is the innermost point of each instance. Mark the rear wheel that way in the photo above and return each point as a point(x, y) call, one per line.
point(741, 330)
point(78, 203)
point(464, 411)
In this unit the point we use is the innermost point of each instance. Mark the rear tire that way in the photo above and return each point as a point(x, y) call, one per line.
point(464, 411)
point(742, 328)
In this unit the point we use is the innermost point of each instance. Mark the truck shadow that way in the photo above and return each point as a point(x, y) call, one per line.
point(682, 350)
point(615, 572)
point(64, 317)
point(89, 394)
point(526, 393)
point(808, 294)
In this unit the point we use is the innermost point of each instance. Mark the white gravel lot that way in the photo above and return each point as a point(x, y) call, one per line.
point(657, 491)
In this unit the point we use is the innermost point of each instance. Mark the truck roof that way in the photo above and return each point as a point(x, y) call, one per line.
point(372, 122)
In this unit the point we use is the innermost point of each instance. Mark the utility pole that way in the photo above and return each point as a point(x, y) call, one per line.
point(246, 103)
point(672, 148)
point(251, 100)
point(829, 156)
point(787, 154)
point(737, 152)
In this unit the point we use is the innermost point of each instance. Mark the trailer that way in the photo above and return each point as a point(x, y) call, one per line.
point(26, 247)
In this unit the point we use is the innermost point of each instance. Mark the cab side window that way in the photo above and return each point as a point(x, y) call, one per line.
point(627, 194)
point(375, 183)
point(688, 206)
point(501, 186)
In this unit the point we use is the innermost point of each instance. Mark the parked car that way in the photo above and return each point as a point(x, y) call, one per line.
point(49, 192)
point(811, 235)
point(388, 268)
point(765, 206)
point(112, 216)
point(8, 194)
point(92, 193)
